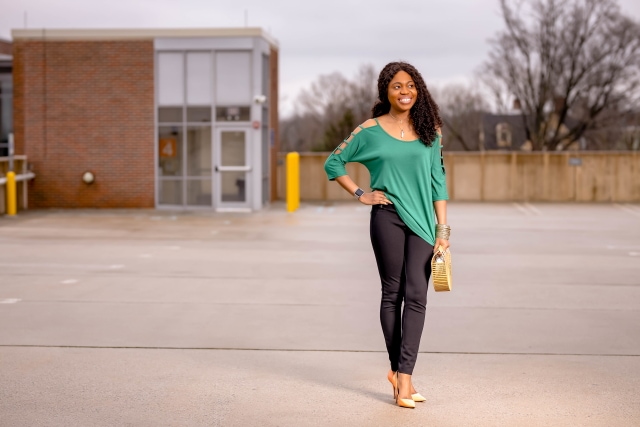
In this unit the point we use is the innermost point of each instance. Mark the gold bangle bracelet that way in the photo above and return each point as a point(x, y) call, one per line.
point(443, 231)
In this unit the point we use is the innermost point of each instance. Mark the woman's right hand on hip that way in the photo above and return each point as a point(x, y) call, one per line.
point(375, 198)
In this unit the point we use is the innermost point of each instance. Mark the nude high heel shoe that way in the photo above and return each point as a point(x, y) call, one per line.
point(391, 378)
point(403, 403)
point(417, 397)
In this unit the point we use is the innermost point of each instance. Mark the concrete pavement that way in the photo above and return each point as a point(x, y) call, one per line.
point(143, 317)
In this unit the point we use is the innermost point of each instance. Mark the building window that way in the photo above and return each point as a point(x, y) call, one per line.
point(233, 114)
point(6, 112)
point(185, 96)
point(503, 135)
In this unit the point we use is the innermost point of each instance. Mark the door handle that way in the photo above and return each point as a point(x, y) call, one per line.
point(233, 168)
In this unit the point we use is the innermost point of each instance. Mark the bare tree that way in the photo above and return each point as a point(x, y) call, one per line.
point(362, 92)
point(567, 61)
point(298, 132)
point(329, 110)
point(461, 109)
point(616, 130)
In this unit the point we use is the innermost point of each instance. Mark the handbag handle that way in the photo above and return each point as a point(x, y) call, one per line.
point(440, 253)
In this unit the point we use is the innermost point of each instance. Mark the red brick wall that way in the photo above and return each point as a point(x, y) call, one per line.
point(273, 106)
point(86, 106)
point(5, 47)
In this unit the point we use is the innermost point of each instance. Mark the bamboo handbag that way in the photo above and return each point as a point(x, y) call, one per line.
point(441, 270)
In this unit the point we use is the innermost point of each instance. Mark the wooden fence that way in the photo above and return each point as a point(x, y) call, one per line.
point(594, 176)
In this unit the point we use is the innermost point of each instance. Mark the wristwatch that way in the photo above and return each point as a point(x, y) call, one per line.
point(359, 192)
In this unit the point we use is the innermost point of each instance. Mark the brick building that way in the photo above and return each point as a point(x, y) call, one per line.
point(175, 118)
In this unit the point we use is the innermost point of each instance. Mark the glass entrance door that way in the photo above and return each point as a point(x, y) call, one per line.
point(185, 166)
point(233, 168)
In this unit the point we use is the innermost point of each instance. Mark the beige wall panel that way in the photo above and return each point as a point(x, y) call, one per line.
point(593, 181)
point(496, 182)
point(622, 186)
point(312, 178)
point(531, 177)
point(635, 177)
point(467, 176)
point(559, 179)
point(606, 178)
point(449, 174)
point(626, 177)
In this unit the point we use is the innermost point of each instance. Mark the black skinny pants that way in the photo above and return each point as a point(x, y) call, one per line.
point(404, 264)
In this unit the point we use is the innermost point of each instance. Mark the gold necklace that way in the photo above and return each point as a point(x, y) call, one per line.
point(400, 121)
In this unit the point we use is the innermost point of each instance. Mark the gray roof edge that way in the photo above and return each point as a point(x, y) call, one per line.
point(57, 34)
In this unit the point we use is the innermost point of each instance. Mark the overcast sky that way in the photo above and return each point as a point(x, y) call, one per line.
point(445, 39)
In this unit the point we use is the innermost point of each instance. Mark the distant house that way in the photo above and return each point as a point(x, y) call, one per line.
point(503, 132)
point(509, 131)
point(631, 137)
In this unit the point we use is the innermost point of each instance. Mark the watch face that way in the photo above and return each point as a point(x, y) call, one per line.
point(359, 192)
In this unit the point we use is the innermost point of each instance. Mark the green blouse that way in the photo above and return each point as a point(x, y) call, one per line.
point(410, 174)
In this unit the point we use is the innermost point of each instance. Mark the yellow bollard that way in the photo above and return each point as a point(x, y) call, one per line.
point(12, 202)
point(293, 181)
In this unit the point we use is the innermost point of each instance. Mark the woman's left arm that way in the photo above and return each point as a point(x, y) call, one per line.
point(439, 192)
point(440, 207)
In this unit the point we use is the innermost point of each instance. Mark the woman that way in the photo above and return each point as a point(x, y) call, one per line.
point(401, 147)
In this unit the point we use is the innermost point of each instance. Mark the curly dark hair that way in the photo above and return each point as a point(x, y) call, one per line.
point(424, 115)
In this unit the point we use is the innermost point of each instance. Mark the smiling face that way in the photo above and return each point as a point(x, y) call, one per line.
point(402, 92)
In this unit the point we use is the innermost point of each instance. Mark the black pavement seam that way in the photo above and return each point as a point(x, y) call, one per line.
point(477, 353)
point(293, 304)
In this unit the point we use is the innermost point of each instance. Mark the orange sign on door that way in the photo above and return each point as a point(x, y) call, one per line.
point(168, 147)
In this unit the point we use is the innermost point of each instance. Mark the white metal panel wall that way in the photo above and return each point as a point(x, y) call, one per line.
point(256, 134)
point(233, 78)
point(204, 43)
point(199, 78)
point(170, 79)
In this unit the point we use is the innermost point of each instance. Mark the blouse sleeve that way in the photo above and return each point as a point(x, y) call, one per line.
point(344, 153)
point(438, 176)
